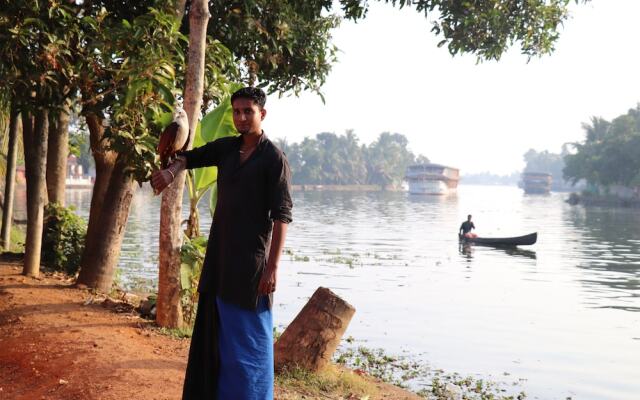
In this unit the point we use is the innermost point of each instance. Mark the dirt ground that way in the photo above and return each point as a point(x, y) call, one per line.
point(55, 343)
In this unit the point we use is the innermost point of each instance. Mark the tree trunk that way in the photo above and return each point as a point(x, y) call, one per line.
point(179, 8)
point(57, 155)
point(311, 339)
point(103, 258)
point(35, 139)
point(193, 222)
point(10, 180)
point(105, 161)
point(169, 310)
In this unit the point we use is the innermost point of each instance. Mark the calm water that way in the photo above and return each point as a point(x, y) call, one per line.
point(562, 316)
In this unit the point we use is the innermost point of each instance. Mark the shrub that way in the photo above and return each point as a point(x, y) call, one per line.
point(62, 238)
point(191, 256)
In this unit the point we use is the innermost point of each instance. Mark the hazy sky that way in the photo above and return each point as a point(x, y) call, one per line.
point(392, 77)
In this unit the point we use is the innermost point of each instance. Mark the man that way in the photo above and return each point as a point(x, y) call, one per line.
point(240, 267)
point(466, 227)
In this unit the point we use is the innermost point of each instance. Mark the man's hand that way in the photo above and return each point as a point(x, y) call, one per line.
point(160, 179)
point(267, 283)
point(164, 177)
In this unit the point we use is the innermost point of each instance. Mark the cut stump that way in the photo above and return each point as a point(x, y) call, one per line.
point(311, 339)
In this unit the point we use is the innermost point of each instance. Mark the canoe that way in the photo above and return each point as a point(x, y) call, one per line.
point(525, 240)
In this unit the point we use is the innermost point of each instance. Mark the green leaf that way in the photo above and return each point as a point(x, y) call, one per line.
point(186, 272)
point(163, 119)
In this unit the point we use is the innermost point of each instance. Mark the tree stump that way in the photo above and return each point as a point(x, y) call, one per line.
point(311, 339)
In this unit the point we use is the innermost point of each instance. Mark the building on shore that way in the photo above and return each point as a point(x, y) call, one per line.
point(76, 179)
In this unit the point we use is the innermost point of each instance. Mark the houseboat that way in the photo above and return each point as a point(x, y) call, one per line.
point(536, 182)
point(432, 179)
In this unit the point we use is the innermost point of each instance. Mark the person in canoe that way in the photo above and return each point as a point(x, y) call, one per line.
point(466, 227)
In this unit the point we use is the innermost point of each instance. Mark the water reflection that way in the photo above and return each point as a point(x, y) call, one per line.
point(466, 250)
point(518, 252)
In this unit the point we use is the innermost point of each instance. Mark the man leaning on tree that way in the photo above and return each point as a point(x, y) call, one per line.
point(231, 355)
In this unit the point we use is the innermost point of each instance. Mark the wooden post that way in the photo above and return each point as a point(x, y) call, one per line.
point(311, 339)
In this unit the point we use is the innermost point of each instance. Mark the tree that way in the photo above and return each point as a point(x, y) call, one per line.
point(388, 159)
point(37, 41)
point(57, 154)
point(10, 177)
point(34, 130)
point(168, 304)
point(132, 79)
point(609, 154)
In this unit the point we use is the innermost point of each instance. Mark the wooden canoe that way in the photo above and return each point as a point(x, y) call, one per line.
point(525, 240)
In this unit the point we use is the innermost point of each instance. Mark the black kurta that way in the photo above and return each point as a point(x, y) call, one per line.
point(251, 196)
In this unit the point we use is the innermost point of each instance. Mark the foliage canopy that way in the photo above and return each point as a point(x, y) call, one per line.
point(286, 44)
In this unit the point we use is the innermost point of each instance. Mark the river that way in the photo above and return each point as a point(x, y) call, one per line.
point(561, 318)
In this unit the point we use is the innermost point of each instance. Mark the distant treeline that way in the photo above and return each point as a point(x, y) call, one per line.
point(330, 159)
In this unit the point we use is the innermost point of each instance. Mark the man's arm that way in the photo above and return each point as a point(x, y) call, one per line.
point(278, 180)
point(269, 277)
point(203, 156)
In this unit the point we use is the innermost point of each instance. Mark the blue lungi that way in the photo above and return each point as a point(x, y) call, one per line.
point(245, 341)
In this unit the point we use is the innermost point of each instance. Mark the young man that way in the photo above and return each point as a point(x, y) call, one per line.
point(466, 227)
point(231, 355)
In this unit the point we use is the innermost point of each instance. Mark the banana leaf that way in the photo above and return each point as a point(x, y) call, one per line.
point(215, 125)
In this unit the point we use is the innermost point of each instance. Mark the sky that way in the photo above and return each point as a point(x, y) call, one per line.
point(391, 76)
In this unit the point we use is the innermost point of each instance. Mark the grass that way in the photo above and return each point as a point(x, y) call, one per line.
point(296, 257)
point(331, 380)
point(435, 384)
point(375, 362)
point(349, 261)
point(17, 236)
point(178, 333)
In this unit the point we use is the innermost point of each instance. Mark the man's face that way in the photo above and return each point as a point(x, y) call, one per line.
point(247, 116)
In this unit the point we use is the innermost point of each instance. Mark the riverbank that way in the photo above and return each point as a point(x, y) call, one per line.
point(59, 343)
point(344, 188)
point(598, 200)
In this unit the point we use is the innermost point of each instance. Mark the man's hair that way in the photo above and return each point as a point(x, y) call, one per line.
point(252, 93)
point(469, 216)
